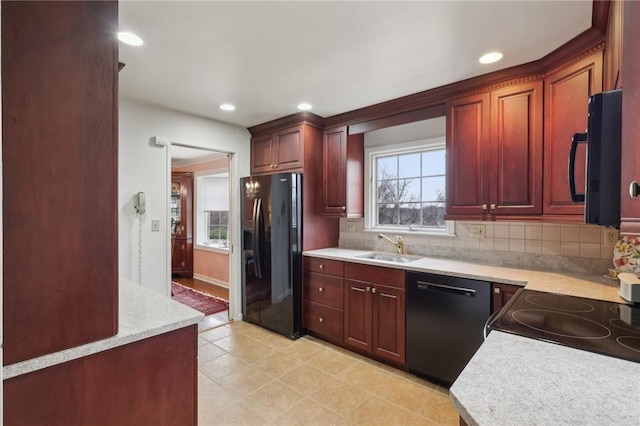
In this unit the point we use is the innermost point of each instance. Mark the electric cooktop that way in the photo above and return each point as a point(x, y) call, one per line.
point(606, 328)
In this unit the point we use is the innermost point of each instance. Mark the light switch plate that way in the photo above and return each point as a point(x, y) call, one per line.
point(155, 225)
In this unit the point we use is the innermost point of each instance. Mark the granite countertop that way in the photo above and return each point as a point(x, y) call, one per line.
point(142, 313)
point(517, 380)
point(589, 286)
point(514, 380)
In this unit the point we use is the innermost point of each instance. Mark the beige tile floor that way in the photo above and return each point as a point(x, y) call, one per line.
point(251, 376)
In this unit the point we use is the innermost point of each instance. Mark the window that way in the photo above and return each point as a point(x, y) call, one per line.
point(212, 209)
point(408, 187)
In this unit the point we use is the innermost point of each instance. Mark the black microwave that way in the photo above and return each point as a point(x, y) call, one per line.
point(602, 169)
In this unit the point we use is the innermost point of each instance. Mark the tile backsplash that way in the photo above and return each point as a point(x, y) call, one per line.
point(553, 246)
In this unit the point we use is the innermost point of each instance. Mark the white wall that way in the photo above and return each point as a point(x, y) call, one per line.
point(144, 166)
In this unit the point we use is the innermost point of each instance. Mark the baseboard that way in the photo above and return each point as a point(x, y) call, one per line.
point(211, 280)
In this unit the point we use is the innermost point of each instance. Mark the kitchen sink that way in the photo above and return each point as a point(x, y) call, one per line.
point(390, 257)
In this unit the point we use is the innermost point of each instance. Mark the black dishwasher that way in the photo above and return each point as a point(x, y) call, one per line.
point(445, 321)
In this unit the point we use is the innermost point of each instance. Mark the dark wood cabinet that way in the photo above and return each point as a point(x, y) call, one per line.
point(494, 147)
point(60, 177)
point(467, 156)
point(374, 315)
point(567, 91)
point(630, 170)
point(152, 381)
point(278, 152)
point(500, 295)
point(323, 298)
point(343, 174)
point(293, 144)
point(182, 223)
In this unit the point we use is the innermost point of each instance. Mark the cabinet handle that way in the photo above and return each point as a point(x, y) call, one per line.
point(321, 289)
point(484, 207)
point(358, 289)
point(373, 290)
point(496, 290)
point(634, 189)
point(321, 319)
point(321, 266)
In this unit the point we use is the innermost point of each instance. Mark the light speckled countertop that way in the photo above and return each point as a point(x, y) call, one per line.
point(517, 380)
point(593, 287)
point(142, 313)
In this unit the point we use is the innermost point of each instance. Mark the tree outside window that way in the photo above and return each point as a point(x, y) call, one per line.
point(410, 189)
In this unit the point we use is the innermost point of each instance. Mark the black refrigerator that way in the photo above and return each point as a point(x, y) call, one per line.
point(272, 252)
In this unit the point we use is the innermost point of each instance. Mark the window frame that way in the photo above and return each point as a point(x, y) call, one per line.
point(200, 221)
point(371, 154)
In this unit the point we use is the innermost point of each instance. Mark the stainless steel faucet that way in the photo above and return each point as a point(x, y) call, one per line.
point(398, 244)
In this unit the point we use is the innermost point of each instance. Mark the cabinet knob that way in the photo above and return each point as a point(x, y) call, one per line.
point(321, 319)
point(320, 289)
point(373, 290)
point(634, 189)
point(496, 290)
point(368, 288)
point(492, 206)
point(484, 207)
point(344, 208)
point(321, 266)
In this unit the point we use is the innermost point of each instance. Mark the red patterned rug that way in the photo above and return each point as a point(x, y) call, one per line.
point(199, 301)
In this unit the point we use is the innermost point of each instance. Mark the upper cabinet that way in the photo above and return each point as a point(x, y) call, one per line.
point(630, 170)
point(567, 91)
point(494, 147)
point(60, 196)
point(343, 173)
point(278, 152)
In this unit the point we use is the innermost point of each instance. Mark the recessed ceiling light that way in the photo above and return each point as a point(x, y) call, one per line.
point(491, 57)
point(130, 38)
point(304, 106)
point(227, 107)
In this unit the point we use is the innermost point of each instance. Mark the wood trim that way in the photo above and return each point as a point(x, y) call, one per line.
point(630, 226)
point(600, 15)
point(292, 120)
point(575, 50)
point(398, 119)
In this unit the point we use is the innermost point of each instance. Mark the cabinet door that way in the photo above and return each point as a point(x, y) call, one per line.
point(467, 138)
point(60, 198)
point(630, 207)
point(566, 95)
point(334, 160)
point(516, 150)
point(388, 322)
point(500, 295)
point(288, 149)
point(262, 154)
point(357, 314)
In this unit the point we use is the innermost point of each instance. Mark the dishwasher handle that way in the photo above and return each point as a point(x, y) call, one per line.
point(462, 291)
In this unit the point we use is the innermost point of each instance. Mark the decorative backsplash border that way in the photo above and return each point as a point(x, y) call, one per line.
point(577, 248)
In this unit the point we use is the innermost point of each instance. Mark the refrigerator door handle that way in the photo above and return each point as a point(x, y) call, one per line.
point(257, 207)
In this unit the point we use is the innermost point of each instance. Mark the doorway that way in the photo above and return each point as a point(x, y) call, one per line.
point(201, 224)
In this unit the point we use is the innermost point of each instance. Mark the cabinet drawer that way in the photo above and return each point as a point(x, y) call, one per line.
point(324, 266)
point(324, 289)
point(323, 320)
point(375, 274)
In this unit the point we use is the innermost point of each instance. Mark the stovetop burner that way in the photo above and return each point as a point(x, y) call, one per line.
point(594, 325)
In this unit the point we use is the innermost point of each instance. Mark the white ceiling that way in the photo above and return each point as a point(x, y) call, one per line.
point(266, 57)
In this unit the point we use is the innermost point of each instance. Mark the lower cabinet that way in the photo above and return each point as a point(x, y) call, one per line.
point(149, 382)
point(323, 295)
point(357, 306)
point(500, 295)
point(374, 314)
